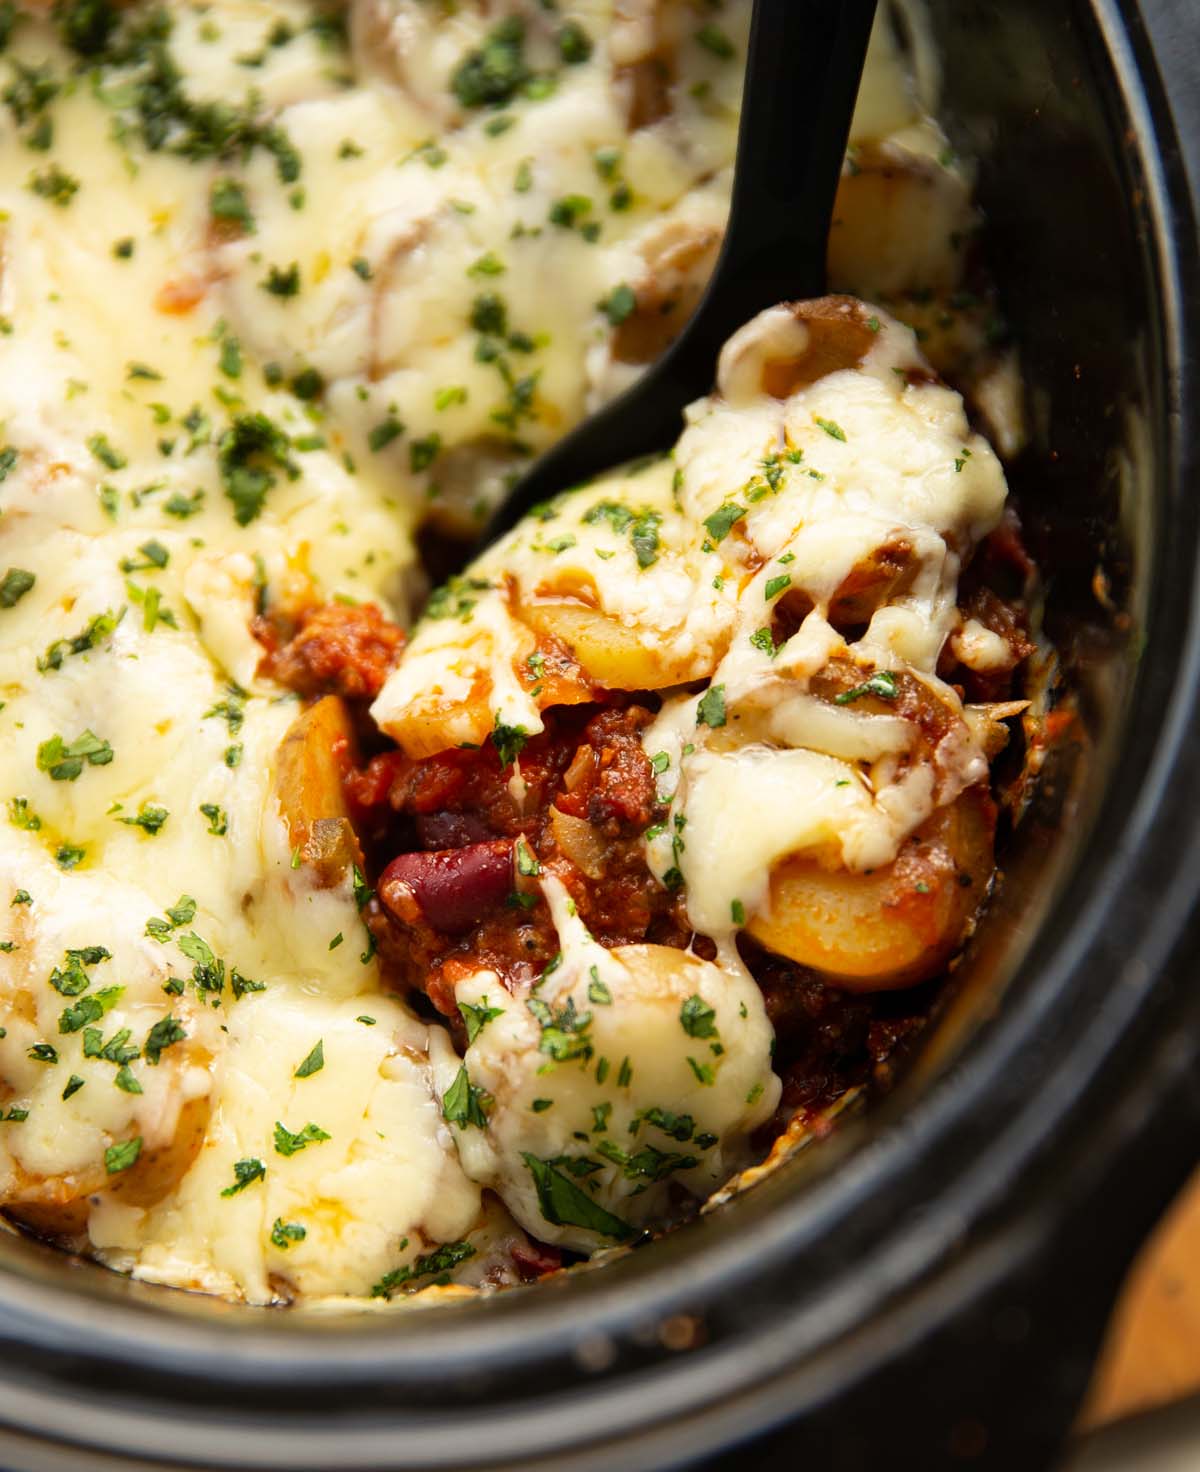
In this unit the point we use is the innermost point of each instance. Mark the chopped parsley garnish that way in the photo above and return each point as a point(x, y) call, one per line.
point(165, 1033)
point(384, 433)
point(703, 1071)
point(14, 585)
point(697, 1018)
point(509, 741)
point(64, 760)
point(95, 631)
point(249, 453)
point(493, 74)
point(881, 684)
point(711, 709)
point(289, 1144)
point(477, 1018)
point(44, 1053)
point(565, 1033)
point(283, 281)
point(598, 991)
point(227, 203)
point(73, 1086)
point(432, 1264)
point(314, 1063)
point(776, 585)
point(218, 818)
point(737, 912)
point(617, 516)
point(644, 536)
point(464, 1104)
point(283, 1234)
point(423, 452)
point(619, 304)
point(723, 519)
point(125, 1080)
point(363, 893)
point(245, 1173)
point(833, 430)
point(567, 211)
point(764, 639)
point(154, 558)
point(104, 452)
point(574, 43)
point(566, 1205)
point(649, 1161)
point(489, 315)
point(182, 912)
point(150, 819)
point(121, 1157)
point(714, 40)
point(54, 185)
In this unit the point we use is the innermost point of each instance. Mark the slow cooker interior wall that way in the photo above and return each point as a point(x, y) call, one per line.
point(1076, 290)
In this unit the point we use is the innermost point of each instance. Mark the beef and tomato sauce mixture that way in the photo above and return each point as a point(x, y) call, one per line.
point(451, 841)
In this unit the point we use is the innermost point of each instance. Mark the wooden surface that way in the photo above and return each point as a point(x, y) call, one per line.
point(1152, 1354)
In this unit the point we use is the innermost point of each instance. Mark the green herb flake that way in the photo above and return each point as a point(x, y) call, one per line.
point(698, 1019)
point(463, 1104)
point(881, 684)
point(245, 1173)
point(715, 41)
point(64, 761)
point(833, 430)
point(711, 710)
point(476, 1018)
point(566, 1205)
point(314, 1063)
point(722, 521)
point(288, 1144)
point(619, 304)
point(121, 1157)
point(283, 1234)
point(14, 585)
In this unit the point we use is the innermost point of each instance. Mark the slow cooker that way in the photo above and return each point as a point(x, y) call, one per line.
point(929, 1285)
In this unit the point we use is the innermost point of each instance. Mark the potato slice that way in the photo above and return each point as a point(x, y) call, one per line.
point(613, 654)
point(901, 222)
point(58, 1206)
point(896, 926)
point(309, 767)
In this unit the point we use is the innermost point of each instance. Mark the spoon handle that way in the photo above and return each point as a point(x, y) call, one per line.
point(803, 67)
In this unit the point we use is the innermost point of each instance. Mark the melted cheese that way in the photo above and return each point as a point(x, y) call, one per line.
point(656, 1079)
point(414, 294)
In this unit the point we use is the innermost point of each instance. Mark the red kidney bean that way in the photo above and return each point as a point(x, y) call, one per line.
point(451, 887)
point(451, 830)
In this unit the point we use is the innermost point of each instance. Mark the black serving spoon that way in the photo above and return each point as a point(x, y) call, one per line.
point(803, 66)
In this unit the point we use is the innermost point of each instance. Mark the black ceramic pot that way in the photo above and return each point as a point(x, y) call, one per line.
point(929, 1286)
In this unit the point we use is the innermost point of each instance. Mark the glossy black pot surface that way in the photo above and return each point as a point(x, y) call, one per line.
point(929, 1285)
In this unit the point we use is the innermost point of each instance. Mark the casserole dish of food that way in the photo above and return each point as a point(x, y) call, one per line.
point(486, 852)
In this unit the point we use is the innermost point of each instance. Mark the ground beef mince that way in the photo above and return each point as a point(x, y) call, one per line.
point(460, 837)
point(336, 649)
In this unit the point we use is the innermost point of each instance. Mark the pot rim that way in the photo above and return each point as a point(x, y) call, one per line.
point(973, 1139)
